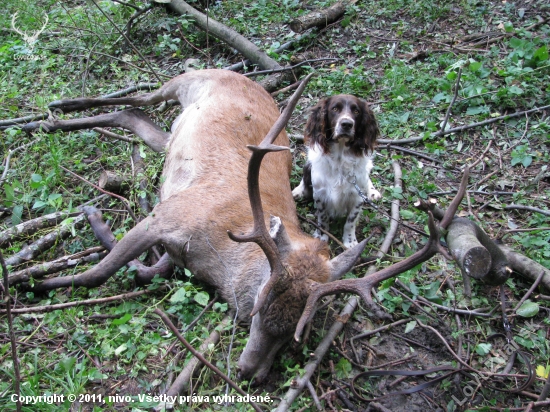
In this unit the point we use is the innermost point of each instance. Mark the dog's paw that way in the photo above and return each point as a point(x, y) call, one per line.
point(374, 194)
point(299, 191)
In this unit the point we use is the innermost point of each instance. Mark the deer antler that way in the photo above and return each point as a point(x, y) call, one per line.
point(13, 25)
point(363, 286)
point(37, 33)
point(260, 233)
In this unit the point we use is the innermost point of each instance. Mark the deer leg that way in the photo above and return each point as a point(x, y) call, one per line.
point(136, 241)
point(103, 233)
point(134, 120)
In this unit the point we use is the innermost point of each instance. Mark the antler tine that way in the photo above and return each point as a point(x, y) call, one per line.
point(260, 233)
point(43, 26)
point(363, 286)
point(453, 206)
point(13, 24)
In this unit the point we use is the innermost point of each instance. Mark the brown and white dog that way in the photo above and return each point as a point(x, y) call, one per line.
point(341, 134)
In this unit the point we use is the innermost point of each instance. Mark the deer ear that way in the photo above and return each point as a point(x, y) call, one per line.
point(278, 233)
point(342, 263)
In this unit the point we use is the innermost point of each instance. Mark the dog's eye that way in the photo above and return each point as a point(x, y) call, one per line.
point(335, 109)
point(356, 111)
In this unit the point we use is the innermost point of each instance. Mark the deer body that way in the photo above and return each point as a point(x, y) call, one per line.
point(204, 195)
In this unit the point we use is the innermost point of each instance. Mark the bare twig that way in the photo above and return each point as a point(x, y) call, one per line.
point(489, 121)
point(125, 201)
point(326, 232)
point(529, 208)
point(182, 381)
point(191, 349)
point(318, 355)
point(88, 302)
point(113, 135)
point(457, 86)
point(15, 359)
point(129, 42)
point(529, 292)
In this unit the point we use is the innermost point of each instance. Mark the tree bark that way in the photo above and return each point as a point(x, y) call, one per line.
point(229, 36)
point(527, 267)
point(112, 182)
point(319, 18)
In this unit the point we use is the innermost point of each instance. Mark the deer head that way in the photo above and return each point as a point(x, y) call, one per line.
point(296, 267)
point(29, 39)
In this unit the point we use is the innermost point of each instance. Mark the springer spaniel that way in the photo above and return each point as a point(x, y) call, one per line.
point(341, 134)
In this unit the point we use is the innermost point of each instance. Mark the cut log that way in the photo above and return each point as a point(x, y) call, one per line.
point(319, 18)
point(112, 182)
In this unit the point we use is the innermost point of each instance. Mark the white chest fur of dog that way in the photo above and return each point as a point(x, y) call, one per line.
point(333, 176)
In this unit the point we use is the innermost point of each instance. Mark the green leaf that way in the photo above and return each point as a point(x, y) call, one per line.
point(541, 53)
point(528, 309)
point(121, 321)
point(202, 298)
point(410, 326)
point(483, 349)
point(67, 364)
point(180, 296)
point(407, 214)
point(526, 161)
point(343, 368)
point(16, 214)
point(515, 90)
point(477, 110)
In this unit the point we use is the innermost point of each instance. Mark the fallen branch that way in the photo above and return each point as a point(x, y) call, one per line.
point(475, 253)
point(319, 18)
point(88, 302)
point(34, 225)
point(181, 384)
point(191, 349)
point(39, 271)
point(13, 341)
point(224, 33)
point(529, 208)
point(113, 135)
point(489, 121)
point(31, 251)
point(526, 267)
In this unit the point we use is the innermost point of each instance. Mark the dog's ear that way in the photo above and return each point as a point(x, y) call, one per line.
point(367, 132)
point(315, 131)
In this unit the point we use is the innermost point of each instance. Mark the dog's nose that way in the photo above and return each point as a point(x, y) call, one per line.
point(346, 124)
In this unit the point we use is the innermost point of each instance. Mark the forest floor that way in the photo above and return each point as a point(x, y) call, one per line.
point(407, 59)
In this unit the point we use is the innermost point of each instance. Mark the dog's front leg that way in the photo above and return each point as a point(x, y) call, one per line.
point(349, 238)
point(323, 219)
point(372, 193)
